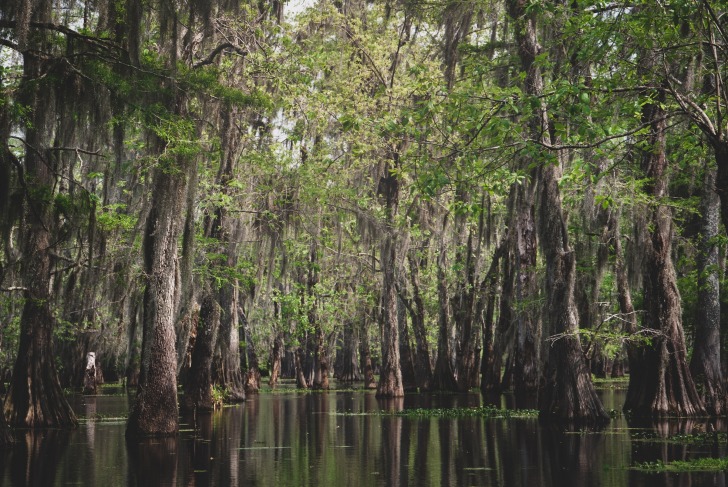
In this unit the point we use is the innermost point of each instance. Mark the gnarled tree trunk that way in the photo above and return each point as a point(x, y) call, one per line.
point(567, 393)
point(664, 385)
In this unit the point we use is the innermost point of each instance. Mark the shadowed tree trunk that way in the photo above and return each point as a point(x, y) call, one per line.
point(366, 358)
point(567, 393)
point(490, 365)
point(443, 378)
point(35, 399)
point(276, 358)
point(390, 378)
point(219, 226)
point(525, 293)
point(347, 362)
point(664, 385)
point(406, 355)
point(705, 363)
point(198, 383)
point(464, 312)
point(6, 436)
point(416, 308)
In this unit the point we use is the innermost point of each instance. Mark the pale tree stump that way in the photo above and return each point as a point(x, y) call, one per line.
point(92, 375)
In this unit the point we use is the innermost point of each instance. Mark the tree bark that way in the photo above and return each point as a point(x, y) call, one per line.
point(527, 315)
point(416, 308)
point(390, 378)
point(35, 399)
point(276, 358)
point(663, 386)
point(444, 376)
point(567, 393)
point(366, 358)
point(198, 384)
point(705, 364)
point(155, 411)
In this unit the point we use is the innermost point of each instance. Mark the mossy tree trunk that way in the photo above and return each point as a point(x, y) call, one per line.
point(390, 379)
point(155, 411)
point(705, 364)
point(664, 385)
point(35, 399)
point(566, 392)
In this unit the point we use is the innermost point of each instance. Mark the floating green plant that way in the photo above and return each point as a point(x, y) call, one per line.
point(694, 465)
point(481, 412)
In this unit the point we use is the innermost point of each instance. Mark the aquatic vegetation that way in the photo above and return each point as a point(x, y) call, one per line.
point(694, 465)
point(481, 411)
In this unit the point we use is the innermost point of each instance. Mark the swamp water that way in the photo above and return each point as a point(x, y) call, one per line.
point(342, 438)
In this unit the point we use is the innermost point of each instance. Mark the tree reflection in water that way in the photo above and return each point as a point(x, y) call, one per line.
point(152, 461)
point(295, 438)
point(36, 456)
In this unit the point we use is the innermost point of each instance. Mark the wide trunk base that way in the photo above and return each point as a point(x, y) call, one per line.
point(568, 395)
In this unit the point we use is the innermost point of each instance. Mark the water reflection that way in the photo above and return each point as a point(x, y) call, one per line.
point(349, 438)
point(35, 460)
point(152, 462)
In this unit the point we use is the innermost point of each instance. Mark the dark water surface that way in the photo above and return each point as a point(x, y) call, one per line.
point(288, 438)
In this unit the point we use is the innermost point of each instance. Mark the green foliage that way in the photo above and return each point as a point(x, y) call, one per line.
point(114, 217)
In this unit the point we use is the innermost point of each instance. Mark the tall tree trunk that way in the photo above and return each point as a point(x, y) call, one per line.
point(705, 364)
point(220, 227)
point(567, 393)
point(155, 411)
point(35, 399)
point(525, 299)
point(464, 315)
point(229, 374)
point(276, 358)
point(490, 365)
point(664, 386)
point(390, 378)
point(406, 355)
point(444, 376)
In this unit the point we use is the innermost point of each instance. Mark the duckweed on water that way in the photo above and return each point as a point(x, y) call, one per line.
point(695, 465)
point(481, 412)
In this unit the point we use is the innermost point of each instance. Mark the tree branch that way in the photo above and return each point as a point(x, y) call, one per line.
point(211, 57)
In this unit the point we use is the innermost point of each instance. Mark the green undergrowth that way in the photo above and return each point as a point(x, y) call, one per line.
point(694, 465)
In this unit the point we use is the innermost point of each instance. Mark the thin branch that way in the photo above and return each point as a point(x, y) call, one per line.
point(97, 152)
point(692, 110)
point(600, 141)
